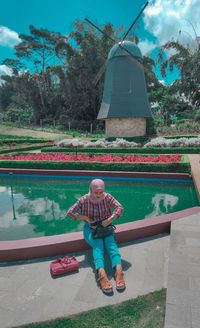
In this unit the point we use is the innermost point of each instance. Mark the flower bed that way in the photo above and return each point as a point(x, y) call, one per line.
point(179, 167)
point(155, 150)
point(122, 143)
point(100, 158)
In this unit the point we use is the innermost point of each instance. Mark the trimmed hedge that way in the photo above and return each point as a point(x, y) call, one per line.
point(23, 140)
point(180, 136)
point(178, 167)
point(155, 150)
point(134, 139)
point(14, 150)
point(9, 136)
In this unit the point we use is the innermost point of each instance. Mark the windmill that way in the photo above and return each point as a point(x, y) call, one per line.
point(125, 105)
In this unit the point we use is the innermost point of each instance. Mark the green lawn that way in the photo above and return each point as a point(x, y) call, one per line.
point(143, 312)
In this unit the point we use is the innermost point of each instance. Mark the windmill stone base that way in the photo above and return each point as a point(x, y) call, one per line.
point(125, 127)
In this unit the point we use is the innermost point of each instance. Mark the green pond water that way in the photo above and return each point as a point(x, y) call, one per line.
point(39, 206)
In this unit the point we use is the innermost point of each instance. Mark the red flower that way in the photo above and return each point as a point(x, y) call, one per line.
point(95, 158)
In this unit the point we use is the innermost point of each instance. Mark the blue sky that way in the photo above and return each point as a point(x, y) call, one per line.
point(162, 20)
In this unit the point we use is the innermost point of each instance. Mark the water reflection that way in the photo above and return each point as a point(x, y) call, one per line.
point(12, 196)
point(162, 204)
point(41, 205)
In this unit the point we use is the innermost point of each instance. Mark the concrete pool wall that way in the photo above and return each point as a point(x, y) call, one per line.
point(74, 242)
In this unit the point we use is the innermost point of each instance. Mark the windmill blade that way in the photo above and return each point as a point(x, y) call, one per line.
point(106, 35)
point(102, 69)
point(135, 21)
point(100, 73)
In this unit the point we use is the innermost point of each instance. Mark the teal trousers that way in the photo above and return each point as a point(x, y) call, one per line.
point(98, 248)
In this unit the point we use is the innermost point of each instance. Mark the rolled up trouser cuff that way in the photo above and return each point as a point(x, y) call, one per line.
point(99, 263)
point(116, 259)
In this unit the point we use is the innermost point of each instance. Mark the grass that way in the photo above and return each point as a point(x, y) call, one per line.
point(73, 133)
point(143, 312)
point(6, 136)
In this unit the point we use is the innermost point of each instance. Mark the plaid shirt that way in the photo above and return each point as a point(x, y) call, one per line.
point(95, 212)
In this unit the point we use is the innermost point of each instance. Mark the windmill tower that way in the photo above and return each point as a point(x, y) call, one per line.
point(125, 105)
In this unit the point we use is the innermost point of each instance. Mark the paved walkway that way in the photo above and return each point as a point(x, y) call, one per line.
point(183, 284)
point(28, 293)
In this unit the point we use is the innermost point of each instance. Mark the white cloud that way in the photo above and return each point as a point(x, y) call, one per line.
point(146, 46)
point(4, 70)
point(8, 38)
point(164, 19)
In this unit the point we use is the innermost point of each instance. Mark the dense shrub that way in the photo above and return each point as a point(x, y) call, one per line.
point(197, 115)
point(101, 143)
point(150, 126)
point(22, 140)
point(184, 126)
point(22, 148)
point(148, 150)
point(23, 116)
point(180, 167)
point(181, 142)
point(189, 136)
point(141, 139)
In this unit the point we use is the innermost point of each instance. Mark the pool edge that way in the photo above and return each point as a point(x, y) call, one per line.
point(32, 248)
point(89, 173)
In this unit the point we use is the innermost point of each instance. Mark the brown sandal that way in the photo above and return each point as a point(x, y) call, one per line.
point(119, 281)
point(105, 286)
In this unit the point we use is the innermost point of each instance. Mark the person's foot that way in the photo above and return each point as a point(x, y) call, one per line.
point(106, 285)
point(120, 282)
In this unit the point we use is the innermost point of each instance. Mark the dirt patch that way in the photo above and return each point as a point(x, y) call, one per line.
point(7, 130)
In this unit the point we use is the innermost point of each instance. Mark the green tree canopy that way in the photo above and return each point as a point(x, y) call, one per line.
point(188, 63)
point(55, 75)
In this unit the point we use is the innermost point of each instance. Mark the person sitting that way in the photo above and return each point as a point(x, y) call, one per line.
point(97, 206)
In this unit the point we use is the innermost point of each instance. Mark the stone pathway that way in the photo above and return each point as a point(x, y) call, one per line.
point(183, 285)
point(28, 293)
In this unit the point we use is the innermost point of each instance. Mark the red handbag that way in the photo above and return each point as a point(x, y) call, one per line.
point(64, 265)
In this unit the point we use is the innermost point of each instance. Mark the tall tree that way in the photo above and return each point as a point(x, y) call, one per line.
point(168, 103)
point(63, 69)
point(83, 62)
point(38, 51)
point(38, 48)
point(188, 63)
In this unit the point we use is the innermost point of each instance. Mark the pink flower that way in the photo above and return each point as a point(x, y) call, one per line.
point(105, 158)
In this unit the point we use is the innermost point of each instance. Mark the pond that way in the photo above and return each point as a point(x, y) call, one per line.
point(37, 207)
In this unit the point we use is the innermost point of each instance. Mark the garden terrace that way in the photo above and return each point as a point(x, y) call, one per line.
point(182, 166)
point(136, 150)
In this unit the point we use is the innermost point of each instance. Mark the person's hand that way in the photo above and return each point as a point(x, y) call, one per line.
point(84, 218)
point(106, 222)
point(89, 220)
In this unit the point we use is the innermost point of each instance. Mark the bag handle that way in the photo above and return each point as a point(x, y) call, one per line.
point(65, 260)
point(57, 260)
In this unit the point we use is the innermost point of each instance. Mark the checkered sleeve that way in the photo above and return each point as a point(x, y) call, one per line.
point(73, 211)
point(118, 209)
